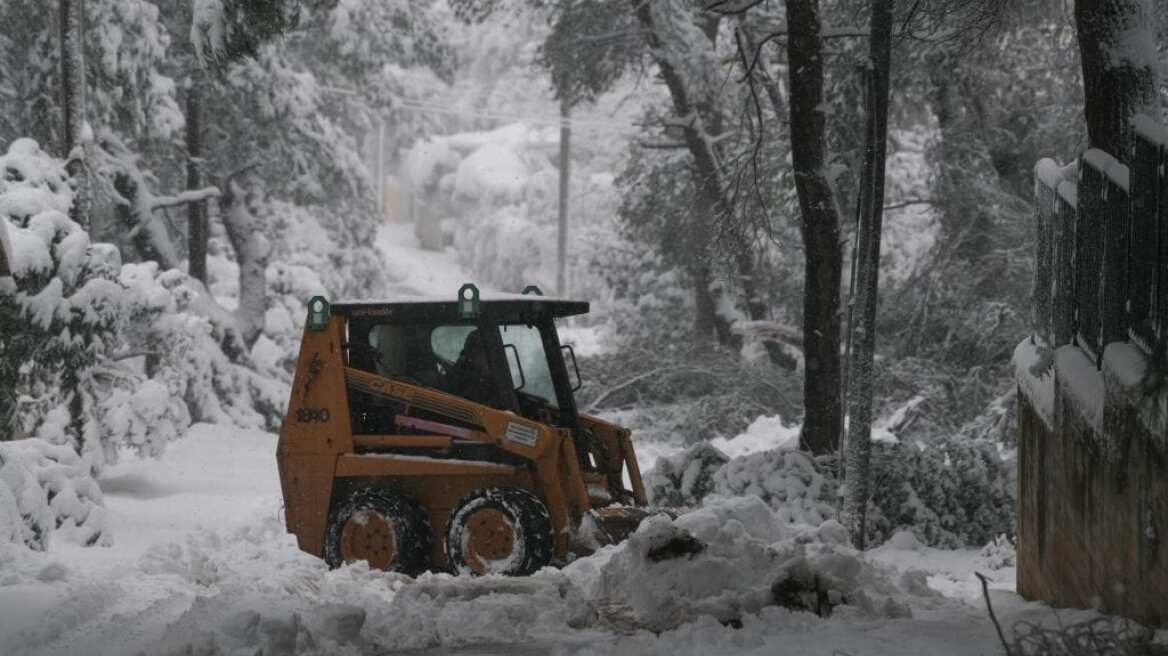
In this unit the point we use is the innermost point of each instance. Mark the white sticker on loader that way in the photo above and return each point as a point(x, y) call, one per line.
point(522, 434)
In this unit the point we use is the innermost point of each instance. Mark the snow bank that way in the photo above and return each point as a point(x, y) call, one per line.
point(733, 558)
point(47, 489)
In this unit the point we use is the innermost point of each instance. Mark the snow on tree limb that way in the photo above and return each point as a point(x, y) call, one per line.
point(190, 196)
point(223, 31)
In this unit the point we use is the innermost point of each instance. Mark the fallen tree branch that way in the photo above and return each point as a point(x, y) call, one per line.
point(985, 590)
point(625, 385)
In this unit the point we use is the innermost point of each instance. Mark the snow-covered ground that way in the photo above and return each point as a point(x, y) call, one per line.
point(200, 558)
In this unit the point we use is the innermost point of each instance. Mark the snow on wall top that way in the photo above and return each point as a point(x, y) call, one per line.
point(1069, 192)
point(1035, 377)
point(1115, 170)
point(1078, 377)
point(1148, 128)
point(1125, 364)
point(1051, 173)
point(1127, 371)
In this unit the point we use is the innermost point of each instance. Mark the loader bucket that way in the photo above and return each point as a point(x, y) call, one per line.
point(613, 524)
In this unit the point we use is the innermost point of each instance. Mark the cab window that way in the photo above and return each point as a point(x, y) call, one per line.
point(535, 378)
point(385, 342)
point(447, 341)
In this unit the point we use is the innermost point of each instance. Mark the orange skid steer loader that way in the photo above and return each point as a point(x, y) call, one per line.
point(444, 434)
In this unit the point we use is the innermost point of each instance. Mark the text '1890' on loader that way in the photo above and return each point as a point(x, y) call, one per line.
point(443, 434)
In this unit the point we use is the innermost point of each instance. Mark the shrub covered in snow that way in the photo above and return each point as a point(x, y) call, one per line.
point(955, 493)
point(99, 354)
point(47, 489)
point(959, 493)
point(686, 478)
point(793, 483)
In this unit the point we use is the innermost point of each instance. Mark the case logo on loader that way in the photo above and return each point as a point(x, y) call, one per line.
point(312, 415)
point(522, 434)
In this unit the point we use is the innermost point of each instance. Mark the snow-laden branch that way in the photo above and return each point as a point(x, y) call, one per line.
point(192, 196)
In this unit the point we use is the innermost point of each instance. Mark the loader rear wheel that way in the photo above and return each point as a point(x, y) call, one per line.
point(389, 531)
point(499, 531)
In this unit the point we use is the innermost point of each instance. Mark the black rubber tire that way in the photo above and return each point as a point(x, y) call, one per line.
point(527, 514)
point(413, 536)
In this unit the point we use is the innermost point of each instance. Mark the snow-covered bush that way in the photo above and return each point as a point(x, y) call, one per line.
point(63, 313)
point(686, 478)
point(98, 354)
point(954, 493)
point(791, 482)
point(188, 338)
point(959, 493)
point(47, 489)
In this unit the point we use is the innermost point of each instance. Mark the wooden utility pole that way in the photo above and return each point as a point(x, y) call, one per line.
point(196, 209)
point(565, 163)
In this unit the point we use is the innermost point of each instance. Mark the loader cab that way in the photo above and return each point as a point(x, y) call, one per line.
point(500, 350)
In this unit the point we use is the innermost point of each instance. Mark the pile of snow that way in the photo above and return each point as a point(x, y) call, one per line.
point(46, 489)
point(763, 434)
point(734, 557)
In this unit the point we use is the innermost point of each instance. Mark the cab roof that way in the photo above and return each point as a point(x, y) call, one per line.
point(499, 306)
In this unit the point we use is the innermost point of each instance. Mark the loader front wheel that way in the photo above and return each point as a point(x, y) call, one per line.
point(499, 531)
point(389, 531)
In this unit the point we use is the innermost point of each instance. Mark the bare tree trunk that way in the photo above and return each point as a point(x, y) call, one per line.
point(251, 251)
point(820, 229)
point(1119, 76)
point(196, 209)
point(72, 19)
point(863, 340)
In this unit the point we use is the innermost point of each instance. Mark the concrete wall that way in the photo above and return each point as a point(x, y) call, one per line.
point(1093, 505)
